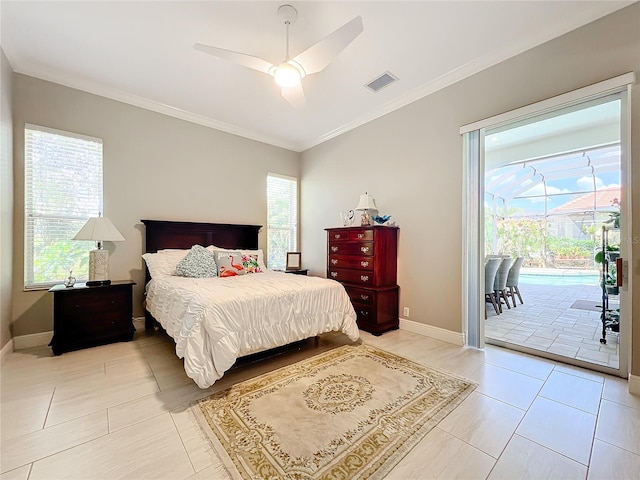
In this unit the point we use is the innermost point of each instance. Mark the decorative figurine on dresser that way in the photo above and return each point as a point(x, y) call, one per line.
point(364, 260)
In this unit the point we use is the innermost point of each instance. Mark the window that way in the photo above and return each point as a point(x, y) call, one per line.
point(282, 219)
point(63, 189)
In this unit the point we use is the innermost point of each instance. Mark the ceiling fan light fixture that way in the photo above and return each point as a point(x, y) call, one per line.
point(286, 75)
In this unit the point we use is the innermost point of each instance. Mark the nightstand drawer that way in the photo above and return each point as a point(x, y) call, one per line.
point(102, 323)
point(78, 306)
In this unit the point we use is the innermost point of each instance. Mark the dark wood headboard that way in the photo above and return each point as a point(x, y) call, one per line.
point(167, 234)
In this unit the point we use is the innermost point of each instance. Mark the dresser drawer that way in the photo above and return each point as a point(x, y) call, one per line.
point(366, 314)
point(360, 295)
point(357, 277)
point(361, 235)
point(339, 236)
point(351, 248)
point(351, 261)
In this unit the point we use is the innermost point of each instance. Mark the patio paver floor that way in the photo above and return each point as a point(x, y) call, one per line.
point(547, 322)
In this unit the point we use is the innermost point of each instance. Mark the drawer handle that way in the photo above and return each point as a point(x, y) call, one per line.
point(364, 263)
point(364, 249)
point(364, 278)
point(364, 297)
point(364, 313)
point(334, 261)
point(334, 274)
point(361, 235)
point(337, 235)
point(334, 249)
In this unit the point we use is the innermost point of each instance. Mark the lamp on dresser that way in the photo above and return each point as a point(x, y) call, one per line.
point(99, 229)
point(367, 205)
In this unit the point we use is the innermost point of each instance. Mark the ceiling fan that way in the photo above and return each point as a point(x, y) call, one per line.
point(290, 72)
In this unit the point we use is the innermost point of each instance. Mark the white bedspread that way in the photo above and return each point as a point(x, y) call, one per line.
point(216, 320)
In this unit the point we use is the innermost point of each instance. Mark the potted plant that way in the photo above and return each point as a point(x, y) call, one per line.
point(613, 252)
point(611, 281)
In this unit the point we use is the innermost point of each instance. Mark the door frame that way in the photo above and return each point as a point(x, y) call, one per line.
point(473, 213)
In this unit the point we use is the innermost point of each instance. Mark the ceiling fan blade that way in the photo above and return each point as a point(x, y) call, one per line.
point(294, 95)
point(249, 61)
point(318, 56)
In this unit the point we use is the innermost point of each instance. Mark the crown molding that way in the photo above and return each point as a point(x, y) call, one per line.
point(471, 68)
point(464, 71)
point(142, 102)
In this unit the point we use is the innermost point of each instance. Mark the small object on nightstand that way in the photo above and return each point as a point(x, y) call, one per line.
point(70, 280)
point(298, 272)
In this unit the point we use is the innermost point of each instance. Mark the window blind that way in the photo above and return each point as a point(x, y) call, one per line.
point(282, 219)
point(63, 188)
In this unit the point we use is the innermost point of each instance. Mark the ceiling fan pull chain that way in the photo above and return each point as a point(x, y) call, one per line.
point(287, 23)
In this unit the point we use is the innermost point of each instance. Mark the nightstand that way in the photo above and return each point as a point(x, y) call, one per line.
point(298, 272)
point(88, 316)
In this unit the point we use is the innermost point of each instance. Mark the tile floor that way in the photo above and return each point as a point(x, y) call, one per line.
point(546, 322)
point(118, 411)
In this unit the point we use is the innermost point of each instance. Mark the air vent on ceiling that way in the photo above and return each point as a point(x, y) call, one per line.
point(382, 81)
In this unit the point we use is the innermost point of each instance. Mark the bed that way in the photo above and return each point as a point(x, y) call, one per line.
point(215, 321)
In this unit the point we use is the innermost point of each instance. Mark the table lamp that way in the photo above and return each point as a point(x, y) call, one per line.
point(99, 229)
point(367, 205)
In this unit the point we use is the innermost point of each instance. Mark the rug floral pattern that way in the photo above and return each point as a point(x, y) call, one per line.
point(350, 413)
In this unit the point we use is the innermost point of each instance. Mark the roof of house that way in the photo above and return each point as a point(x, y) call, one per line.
point(603, 200)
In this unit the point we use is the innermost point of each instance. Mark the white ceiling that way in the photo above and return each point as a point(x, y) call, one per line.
point(141, 53)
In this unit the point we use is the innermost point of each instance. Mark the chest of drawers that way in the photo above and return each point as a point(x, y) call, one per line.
point(364, 260)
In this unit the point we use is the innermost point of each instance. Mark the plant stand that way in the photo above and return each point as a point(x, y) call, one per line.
point(610, 317)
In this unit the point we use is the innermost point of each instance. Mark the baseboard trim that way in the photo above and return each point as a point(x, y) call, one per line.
point(634, 384)
point(32, 340)
point(456, 338)
point(6, 350)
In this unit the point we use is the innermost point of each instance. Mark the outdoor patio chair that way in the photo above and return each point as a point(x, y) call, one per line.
point(500, 283)
point(490, 269)
point(513, 279)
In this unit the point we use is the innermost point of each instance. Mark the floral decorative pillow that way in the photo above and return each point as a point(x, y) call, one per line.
point(198, 263)
point(251, 264)
point(229, 263)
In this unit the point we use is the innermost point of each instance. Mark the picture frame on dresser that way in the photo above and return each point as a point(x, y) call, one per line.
point(294, 261)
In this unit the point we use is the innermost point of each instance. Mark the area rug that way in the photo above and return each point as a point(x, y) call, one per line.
point(349, 413)
point(591, 305)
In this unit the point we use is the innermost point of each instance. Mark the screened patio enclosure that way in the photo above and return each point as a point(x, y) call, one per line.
point(550, 210)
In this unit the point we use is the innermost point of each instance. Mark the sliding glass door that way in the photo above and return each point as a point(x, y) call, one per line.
point(546, 214)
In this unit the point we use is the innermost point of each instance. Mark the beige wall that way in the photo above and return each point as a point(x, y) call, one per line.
point(155, 167)
point(6, 199)
point(411, 162)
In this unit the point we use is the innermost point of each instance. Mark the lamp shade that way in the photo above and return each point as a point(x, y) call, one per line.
point(99, 229)
point(367, 202)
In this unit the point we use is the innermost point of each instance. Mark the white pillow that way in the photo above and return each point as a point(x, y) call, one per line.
point(163, 263)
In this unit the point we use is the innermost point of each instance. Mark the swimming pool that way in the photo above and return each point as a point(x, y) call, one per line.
point(544, 279)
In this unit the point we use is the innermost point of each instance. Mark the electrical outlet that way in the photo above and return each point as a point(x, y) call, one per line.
point(405, 312)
